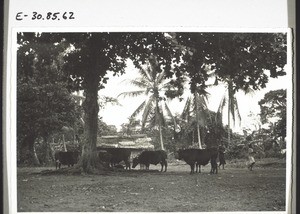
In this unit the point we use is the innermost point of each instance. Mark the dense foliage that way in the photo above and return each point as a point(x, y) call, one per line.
point(44, 105)
point(273, 111)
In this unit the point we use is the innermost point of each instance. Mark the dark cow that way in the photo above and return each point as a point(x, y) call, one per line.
point(198, 157)
point(118, 155)
point(151, 157)
point(104, 157)
point(66, 158)
point(189, 156)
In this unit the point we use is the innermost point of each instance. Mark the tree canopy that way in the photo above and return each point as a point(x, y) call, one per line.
point(242, 58)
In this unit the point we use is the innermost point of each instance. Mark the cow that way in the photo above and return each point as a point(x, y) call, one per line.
point(198, 157)
point(104, 157)
point(66, 158)
point(118, 155)
point(151, 157)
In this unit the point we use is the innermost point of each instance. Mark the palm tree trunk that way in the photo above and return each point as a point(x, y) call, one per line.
point(199, 137)
point(229, 106)
point(158, 119)
point(36, 159)
point(64, 143)
point(161, 138)
point(197, 118)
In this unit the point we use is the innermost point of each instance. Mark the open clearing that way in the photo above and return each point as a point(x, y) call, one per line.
point(233, 189)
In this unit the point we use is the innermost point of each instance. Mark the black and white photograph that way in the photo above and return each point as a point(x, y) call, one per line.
point(153, 121)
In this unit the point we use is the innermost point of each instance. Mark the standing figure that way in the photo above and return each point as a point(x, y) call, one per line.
point(222, 156)
point(251, 160)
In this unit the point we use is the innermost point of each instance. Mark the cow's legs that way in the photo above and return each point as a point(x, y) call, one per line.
point(198, 167)
point(192, 168)
point(166, 165)
point(127, 165)
point(147, 166)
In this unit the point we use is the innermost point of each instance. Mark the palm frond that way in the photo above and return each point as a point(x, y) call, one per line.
point(138, 110)
point(222, 104)
point(151, 120)
point(145, 74)
point(160, 77)
point(131, 93)
point(139, 82)
point(186, 110)
point(148, 108)
point(236, 110)
point(169, 113)
point(110, 100)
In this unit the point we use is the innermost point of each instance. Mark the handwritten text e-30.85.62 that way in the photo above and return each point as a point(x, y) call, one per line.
point(47, 16)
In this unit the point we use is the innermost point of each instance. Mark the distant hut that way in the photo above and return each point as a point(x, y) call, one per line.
point(136, 143)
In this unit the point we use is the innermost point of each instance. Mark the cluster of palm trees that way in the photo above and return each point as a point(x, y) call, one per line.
point(153, 83)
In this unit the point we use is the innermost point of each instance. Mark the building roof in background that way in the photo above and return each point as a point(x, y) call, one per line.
point(133, 142)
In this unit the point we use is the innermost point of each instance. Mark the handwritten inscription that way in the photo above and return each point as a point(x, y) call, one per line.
point(47, 16)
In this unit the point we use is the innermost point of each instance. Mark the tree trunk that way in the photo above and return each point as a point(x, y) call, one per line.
point(52, 150)
point(158, 116)
point(161, 138)
point(198, 120)
point(193, 138)
point(64, 142)
point(36, 159)
point(48, 158)
point(229, 106)
point(27, 151)
point(199, 136)
point(91, 109)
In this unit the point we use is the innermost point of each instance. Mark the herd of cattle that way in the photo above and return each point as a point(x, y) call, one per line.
point(114, 156)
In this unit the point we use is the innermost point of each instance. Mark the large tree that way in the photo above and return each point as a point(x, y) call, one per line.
point(92, 55)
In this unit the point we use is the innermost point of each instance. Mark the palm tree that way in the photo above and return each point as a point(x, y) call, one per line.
point(196, 105)
point(230, 101)
point(151, 82)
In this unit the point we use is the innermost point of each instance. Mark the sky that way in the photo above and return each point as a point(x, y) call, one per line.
point(117, 115)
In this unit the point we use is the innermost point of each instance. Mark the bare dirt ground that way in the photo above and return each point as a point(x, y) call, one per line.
point(233, 189)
